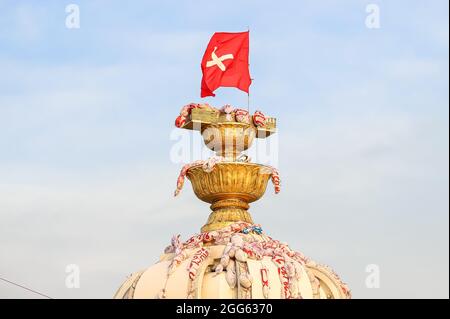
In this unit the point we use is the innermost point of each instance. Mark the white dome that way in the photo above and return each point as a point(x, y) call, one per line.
point(238, 261)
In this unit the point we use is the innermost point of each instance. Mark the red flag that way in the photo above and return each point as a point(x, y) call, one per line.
point(225, 62)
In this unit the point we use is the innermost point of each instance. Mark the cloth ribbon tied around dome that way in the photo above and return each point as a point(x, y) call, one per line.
point(186, 112)
point(257, 229)
point(207, 165)
point(228, 110)
point(238, 249)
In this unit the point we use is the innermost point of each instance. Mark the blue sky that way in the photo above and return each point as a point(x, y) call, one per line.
point(86, 117)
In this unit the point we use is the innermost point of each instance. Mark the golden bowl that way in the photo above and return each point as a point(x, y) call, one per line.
point(246, 182)
point(228, 139)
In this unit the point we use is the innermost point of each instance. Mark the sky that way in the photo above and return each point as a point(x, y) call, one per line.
point(86, 132)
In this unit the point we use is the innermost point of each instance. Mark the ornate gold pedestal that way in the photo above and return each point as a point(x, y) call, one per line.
point(230, 187)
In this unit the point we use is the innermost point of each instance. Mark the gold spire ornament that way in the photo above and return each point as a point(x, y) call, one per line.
point(232, 257)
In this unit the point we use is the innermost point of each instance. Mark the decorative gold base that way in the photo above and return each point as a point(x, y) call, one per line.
point(229, 188)
point(227, 212)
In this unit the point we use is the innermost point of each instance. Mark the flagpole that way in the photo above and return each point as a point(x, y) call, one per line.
point(248, 94)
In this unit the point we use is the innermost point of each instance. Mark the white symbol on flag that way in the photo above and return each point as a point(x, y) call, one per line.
point(218, 61)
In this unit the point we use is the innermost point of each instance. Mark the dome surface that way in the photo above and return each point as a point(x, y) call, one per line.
point(238, 261)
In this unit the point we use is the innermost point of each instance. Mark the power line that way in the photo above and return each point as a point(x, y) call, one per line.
point(26, 288)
